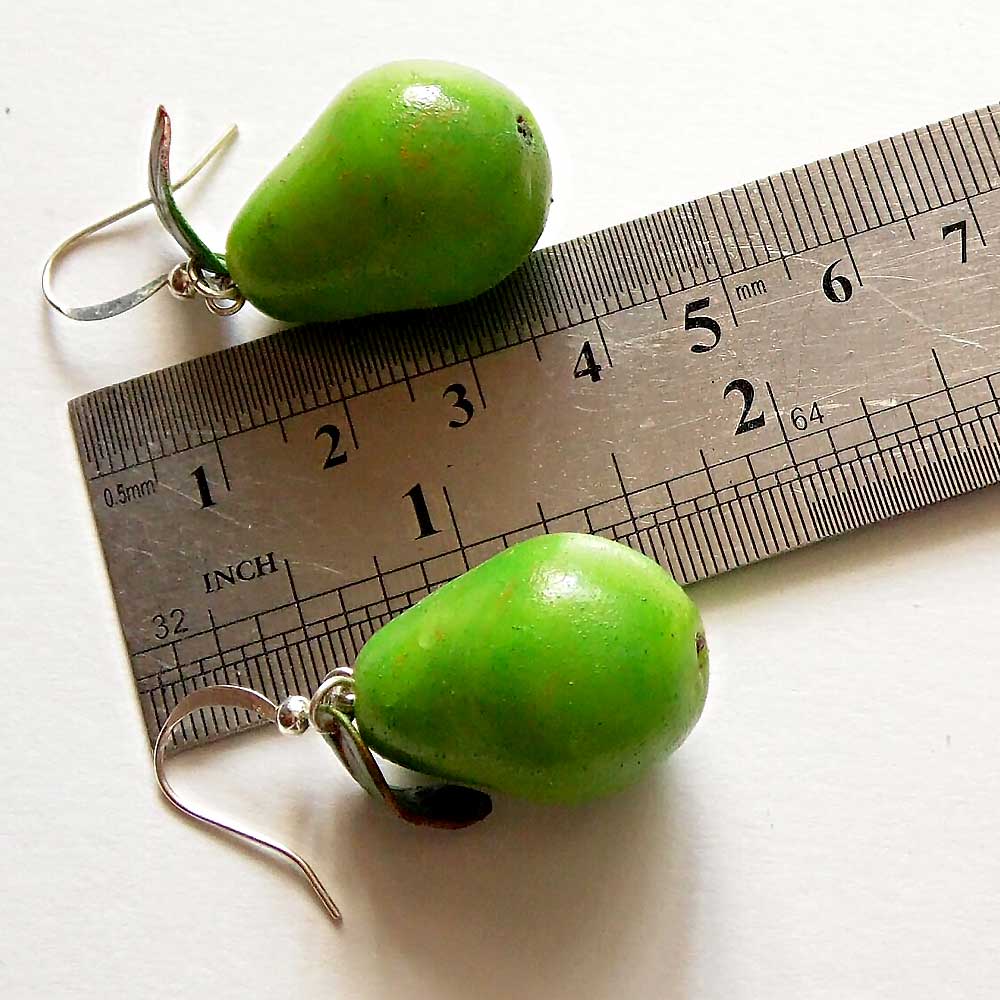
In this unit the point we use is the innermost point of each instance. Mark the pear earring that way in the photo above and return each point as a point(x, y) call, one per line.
point(421, 185)
point(558, 670)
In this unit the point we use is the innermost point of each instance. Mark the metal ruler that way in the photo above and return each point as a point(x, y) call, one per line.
point(713, 384)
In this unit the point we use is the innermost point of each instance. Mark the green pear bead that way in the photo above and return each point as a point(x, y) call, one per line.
point(423, 183)
point(558, 670)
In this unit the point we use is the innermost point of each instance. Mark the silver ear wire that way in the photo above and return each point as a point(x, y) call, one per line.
point(330, 712)
point(231, 696)
point(220, 295)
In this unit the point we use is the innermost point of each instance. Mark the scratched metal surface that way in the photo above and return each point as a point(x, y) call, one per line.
point(713, 385)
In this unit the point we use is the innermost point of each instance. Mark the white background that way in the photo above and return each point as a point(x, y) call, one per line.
point(831, 830)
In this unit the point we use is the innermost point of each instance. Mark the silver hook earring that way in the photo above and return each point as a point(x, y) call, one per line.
point(202, 274)
point(330, 711)
point(230, 696)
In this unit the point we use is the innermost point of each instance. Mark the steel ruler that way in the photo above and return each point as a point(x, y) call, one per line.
point(712, 384)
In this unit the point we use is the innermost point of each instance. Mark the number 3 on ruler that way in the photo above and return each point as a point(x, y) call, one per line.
point(462, 402)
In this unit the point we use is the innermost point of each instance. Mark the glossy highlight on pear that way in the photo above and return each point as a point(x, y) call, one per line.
point(558, 670)
point(423, 184)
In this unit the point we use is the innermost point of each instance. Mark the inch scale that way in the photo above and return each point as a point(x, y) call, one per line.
point(713, 385)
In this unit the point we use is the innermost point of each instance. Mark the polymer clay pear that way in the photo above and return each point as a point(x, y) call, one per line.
point(422, 184)
point(558, 670)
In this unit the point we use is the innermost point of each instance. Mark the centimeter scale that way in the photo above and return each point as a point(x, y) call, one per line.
point(712, 385)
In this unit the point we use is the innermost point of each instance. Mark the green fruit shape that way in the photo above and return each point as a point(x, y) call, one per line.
point(558, 670)
point(423, 183)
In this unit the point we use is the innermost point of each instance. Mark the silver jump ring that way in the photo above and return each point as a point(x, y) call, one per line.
point(222, 297)
point(340, 684)
point(215, 306)
point(209, 285)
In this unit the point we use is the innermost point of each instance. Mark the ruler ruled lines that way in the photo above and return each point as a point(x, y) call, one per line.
point(956, 470)
point(810, 472)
